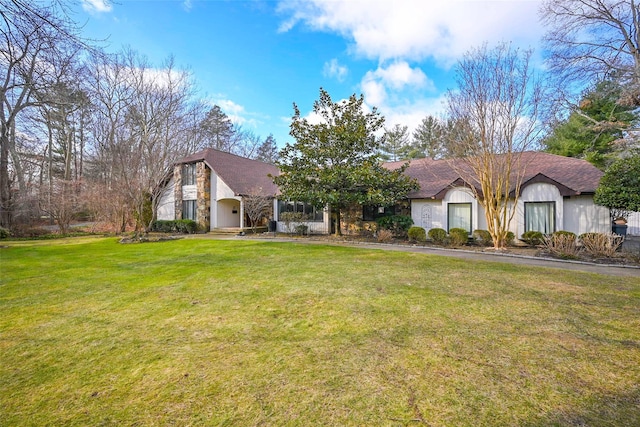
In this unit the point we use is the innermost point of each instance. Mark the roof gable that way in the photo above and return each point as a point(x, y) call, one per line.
point(242, 175)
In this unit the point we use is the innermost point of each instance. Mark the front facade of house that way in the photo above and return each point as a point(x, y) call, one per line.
point(556, 194)
point(211, 187)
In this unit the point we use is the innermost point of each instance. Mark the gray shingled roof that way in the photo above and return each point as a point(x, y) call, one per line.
point(574, 176)
point(242, 175)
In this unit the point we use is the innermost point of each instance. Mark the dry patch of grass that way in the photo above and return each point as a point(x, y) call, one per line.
point(201, 332)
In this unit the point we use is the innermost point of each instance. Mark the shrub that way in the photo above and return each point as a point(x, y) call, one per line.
point(511, 237)
point(417, 234)
point(187, 226)
point(562, 245)
point(384, 236)
point(4, 233)
point(569, 234)
point(533, 238)
point(601, 244)
point(397, 224)
point(302, 229)
point(437, 235)
point(482, 237)
point(458, 236)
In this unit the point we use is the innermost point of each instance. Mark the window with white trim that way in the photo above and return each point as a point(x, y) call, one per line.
point(540, 216)
point(309, 212)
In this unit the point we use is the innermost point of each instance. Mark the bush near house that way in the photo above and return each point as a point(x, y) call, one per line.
point(437, 235)
point(458, 237)
point(397, 224)
point(511, 237)
point(562, 244)
point(4, 233)
point(482, 237)
point(417, 234)
point(532, 238)
point(601, 244)
point(186, 226)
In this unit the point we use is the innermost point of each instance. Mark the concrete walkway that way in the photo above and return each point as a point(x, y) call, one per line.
point(612, 270)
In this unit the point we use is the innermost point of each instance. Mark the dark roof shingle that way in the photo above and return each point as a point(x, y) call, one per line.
point(241, 174)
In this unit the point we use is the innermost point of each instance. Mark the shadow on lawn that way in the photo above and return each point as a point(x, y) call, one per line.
point(606, 410)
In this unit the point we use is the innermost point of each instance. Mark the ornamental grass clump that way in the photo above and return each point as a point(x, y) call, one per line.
point(562, 244)
point(601, 244)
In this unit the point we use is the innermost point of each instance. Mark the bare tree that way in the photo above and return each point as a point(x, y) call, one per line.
point(593, 40)
point(257, 206)
point(33, 36)
point(496, 107)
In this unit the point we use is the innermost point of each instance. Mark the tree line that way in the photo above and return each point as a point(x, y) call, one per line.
point(87, 132)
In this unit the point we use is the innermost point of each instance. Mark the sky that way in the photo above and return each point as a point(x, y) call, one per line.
point(256, 58)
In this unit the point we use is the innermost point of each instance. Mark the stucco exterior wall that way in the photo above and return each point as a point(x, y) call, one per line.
point(581, 215)
point(539, 192)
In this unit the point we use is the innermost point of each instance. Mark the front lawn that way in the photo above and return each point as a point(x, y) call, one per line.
point(244, 333)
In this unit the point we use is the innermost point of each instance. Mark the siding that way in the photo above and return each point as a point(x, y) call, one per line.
point(166, 204)
point(581, 215)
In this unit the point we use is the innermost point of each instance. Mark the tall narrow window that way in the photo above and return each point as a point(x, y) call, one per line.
point(189, 209)
point(459, 215)
point(189, 174)
point(540, 216)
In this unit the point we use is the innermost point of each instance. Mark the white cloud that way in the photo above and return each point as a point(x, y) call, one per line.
point(396, 77)
point(333, 69)
point(442, 30)
point(97, 6)
point(187, 5)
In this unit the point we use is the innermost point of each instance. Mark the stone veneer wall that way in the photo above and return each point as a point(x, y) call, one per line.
point(177, 178)
point(203, 204)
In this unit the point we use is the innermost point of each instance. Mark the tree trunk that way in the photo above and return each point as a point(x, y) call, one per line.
point(5, 186)
point(338, 224)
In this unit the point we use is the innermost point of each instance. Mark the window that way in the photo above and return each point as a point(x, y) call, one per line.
point(189, 209)
point(189, 174)
point(372, 213)
point(459, 216)
point(309, 212)
point(540, 216)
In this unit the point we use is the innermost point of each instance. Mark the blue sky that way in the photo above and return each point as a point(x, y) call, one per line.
point(255, 58)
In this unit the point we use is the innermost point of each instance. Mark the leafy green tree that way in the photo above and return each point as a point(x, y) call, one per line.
point(336, 162)
point(619, 188)
point(595, 130)
point(396, 143)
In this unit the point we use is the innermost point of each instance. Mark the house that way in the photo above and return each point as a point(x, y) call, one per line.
point(211, 186)
point(556, 194)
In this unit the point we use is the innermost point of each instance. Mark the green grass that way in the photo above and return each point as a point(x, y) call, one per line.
point(244, 333)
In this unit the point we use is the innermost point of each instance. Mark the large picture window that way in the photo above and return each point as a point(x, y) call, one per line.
point(189, 174)
point(540, 216)
point(459, 216)
point(189, 209)
point(309, 212)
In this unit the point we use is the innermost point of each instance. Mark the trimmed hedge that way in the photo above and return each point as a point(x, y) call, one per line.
point(417, 234)
point(437, 235)
point(186, 226)
point(398, 224)
point(482, 237)
point(458, 236)
point(533, 238)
